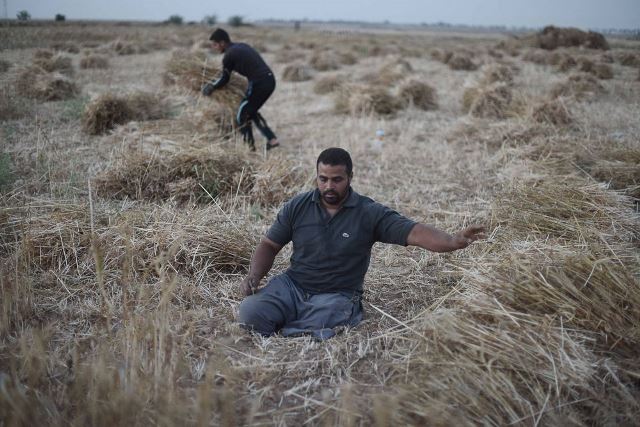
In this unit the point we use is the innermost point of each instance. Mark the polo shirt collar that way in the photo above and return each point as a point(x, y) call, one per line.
point(351, 202)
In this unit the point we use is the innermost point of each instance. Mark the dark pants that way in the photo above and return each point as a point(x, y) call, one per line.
point(257, 94)
point(282, 306)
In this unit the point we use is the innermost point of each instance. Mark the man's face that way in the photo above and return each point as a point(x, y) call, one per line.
point(333, 183)
point(218, 46)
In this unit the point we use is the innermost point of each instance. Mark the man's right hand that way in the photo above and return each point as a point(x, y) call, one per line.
point(249, 286)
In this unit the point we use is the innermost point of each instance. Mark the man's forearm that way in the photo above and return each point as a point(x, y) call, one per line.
point(262, 260)
point(432, 239)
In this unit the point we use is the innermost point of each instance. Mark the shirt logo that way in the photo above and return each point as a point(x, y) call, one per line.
point(345, 235)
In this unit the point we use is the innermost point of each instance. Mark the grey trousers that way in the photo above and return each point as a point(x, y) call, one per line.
point(283, 307)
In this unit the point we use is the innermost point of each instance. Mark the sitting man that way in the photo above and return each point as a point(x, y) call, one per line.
point(332, 229)
point(243, 59)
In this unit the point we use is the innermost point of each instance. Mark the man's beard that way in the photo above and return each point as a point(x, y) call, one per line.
point(334, 198)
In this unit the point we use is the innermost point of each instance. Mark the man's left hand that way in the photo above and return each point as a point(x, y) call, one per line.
point(207, 89)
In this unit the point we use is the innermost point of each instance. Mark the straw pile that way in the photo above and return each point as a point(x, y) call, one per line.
point(94, 61)
point(419, 94)
point(566, 63)
point(579, 86)
point(105, 112)
point(192, 71)
point(329, 83)
point(496, 73)
point(59, 63)
point(461, 61)
point(35, 82)
point(277, 180)
point(187, 241)
point(296, 72)
point(186, 175)
point(553, 112)
point(325, 61)
point(441, 55)
point(615, 166)
point(286, 55)
point(394, 70)
point(123, 48)
point(553, 37)
point(364, 100)
point(68, 47)
point(628, 59)
point(108, 110)
point(488, 101)
point(536, 56)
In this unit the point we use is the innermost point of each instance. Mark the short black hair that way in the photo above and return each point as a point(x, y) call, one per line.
point(336, 156)
point(220, 35)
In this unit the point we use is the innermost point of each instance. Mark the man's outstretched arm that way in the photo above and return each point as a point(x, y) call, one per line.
point(435, 240)
point(261, 263)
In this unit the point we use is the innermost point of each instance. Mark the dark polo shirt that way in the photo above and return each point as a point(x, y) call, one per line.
point(332, 254)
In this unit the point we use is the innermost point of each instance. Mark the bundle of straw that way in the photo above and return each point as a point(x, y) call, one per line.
point(192, 71)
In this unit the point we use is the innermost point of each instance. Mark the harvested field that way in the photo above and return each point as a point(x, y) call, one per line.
point(94, 61)
point(296, 72)
point(127, 226)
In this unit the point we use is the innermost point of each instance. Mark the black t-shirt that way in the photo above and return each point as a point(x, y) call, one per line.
point(332, 254)
point(244, 60)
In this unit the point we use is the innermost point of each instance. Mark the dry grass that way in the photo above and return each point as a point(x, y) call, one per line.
point(554, 37)
point(193, 70)
point(358, 100)
point(488, 101)
point(36, 83)
point(94, 61)
point(553, 112)
point(419, 94)
point(59, 63)
point(461, 62)
point(108, 110)
point(325, 61)
point(579, 86)
point(296, 72)
point(328, 84)
point(119, 274)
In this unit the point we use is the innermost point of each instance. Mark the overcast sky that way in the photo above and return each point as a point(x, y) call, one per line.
point(529, 13)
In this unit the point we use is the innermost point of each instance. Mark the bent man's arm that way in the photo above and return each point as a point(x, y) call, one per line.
point(261, 263)
point(432, 239)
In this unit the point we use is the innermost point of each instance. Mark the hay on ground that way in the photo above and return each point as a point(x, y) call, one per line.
point(105, 112)
point(366, 99)
point(566, 63)
point(554, 37)
point(192, 71)
point(488, 101)
point(537, 56)
point(36, 83)
point(296, 72)
point(59, 63)
point(150, 176)
point(328, 84)
point(553, 112)
point(325, 61)
point(147, 106)
point(419, 94)
point(460, 61)
point(628, 59)
point(579, 86)
point(602, 71)
point(123, 48)
point(68, 47)
point(108, 110)
point(277, 180)
point(441, 55)
point(496, 73)
point(94, 61)
point(43, 54)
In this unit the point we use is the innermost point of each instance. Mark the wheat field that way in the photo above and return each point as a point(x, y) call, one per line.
point(130, 207)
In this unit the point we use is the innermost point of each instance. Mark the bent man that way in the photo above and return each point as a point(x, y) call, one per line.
point(333, 229)
point(243, 59)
